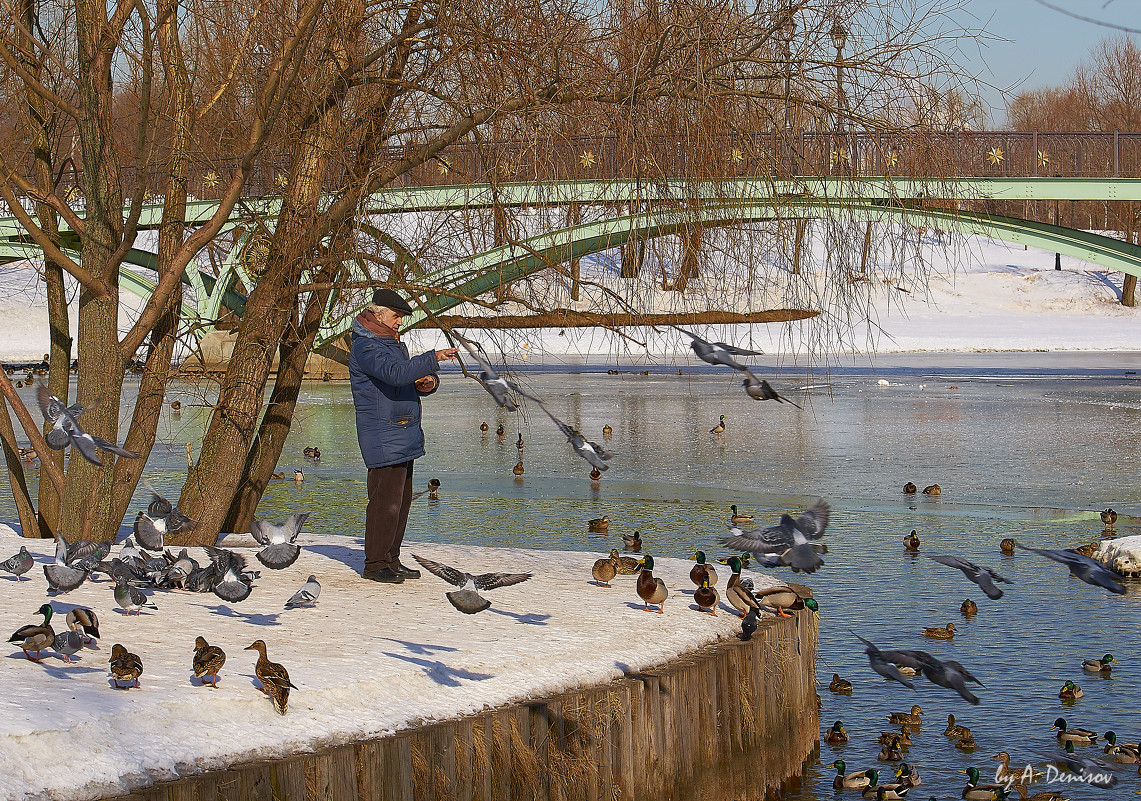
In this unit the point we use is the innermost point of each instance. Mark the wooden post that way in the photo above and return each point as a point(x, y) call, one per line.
point(1129, 285)
point(798, 245)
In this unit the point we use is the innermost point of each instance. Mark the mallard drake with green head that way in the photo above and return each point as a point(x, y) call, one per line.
point(739, 519)
point(1068, 735)
point(718, 429)
point(702, 570)
point(706, 597)
point(875, 790)
point(979, 792)
point(836, 735)
point(953, 729)
point(737, 594)
point(1070, 692)
point(126, 667)
point(208, 660)
point(1125, 753)
point(1108, 518)
point(35, 637)
point(911, 541)
point(779, 598)
point(907, 774)
point(632, 543)
point(913, 718)
point(891, 752)
point(651, 590)
point(969, 608)
point(1100, 665)
point(940, 632)
point(856, 780)
point(599, 525)
point(274, 678)
point(605, 570)
point(500, 431)
point(839, 685)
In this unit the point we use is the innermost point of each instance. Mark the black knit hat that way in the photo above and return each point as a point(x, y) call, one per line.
point(390, 300)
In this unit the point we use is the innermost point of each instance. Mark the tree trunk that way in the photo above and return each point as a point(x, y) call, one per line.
point(29, 526)
point(573, 218)
point(798, 245)
point(690, 257)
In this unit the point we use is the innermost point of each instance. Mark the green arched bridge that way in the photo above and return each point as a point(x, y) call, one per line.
point(665, 206)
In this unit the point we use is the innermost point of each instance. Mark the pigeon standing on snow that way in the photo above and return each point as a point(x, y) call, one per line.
point(790, 539)
point(983, 576)
point(307, 595)
point(67, 643)
point(64, 579)
point(130, 600)
point(66, 431)
point(467, 599)
point(718, 352)
point(1084, 568)
point(19, 564)
point(278, 538)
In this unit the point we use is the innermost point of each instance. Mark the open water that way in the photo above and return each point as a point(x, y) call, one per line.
point(1030, 446)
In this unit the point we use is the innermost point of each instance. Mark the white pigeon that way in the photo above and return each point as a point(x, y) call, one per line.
point(307, 595)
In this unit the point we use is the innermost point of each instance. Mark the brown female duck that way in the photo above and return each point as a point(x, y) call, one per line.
point(208, 660)
point(274, 678)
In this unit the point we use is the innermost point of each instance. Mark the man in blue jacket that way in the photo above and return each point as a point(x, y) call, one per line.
point(387, 386)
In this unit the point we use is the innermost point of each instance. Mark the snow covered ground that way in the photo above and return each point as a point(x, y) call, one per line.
point(367, 660)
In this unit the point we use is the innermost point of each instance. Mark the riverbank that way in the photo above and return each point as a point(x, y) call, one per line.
point(368, 661)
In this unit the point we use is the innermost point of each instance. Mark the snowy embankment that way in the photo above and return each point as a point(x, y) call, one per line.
point(368, 660)
point(1123, 555)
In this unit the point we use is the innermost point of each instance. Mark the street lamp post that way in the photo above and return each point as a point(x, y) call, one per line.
point(839, 36)
point(786, 32)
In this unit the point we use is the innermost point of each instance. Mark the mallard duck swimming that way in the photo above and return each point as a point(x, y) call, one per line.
point(651, 590)
point(605, 570)
point(701, 571)
point(909, 488)
point(875, 790)
point(737, 594)
point(839, 685)
point(738, 519)
point(1045, 795)
point(627, 565)
point(903, 736)
point(1007, 546)
point(501, 432)
point(969, 608)
point(852, 781)
point(934, 489)
point(632, 542)
point(1004, 773)
point(208, 660)
point(518, 469)
point(836, 735)
point(1109, 517)
point(913, 718)
point(125, 667)
point(1066, 734)
point(706, 597)
point(607, 431)
point(911, 541)
point(176, 405)
point(599, 525)
point(891, 752)
point(1125, 753)
point(433, 489)
point(908, 775)
point(83, 620)
point(35, 637)
point(1070, 692)
point(940, 632)
point(274, 678)
point(979, 792)
point(966, 741)
point(1099, 665)
point(952, 729)
point(719, 428)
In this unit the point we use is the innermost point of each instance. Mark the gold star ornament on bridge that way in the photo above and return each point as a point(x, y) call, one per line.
point(210, 179)
point(586, 159)
point(840, 156)
point(995, 156)
point(1043, 158)
point(736, 156)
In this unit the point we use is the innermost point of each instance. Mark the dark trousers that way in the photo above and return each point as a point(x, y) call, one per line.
point(389, 498)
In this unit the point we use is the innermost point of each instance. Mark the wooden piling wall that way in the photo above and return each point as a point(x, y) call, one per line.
point(735, 720)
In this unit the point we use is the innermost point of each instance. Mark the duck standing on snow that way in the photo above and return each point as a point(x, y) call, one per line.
point(604, 570)
point(19, 564)
point(706, 597)
point(208, 660)
point(35, 637)
point(627, 565)
point(83, 620)
point(126, 667)
point(702, 571)
point(274, 678)
point(651, 590)
point(736, 592)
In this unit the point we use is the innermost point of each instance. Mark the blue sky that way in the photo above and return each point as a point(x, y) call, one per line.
point(1038, 47)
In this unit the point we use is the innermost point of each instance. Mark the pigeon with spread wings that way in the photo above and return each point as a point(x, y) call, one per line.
point(494, 383)
point(467, 599)
point(759, 389)
point(790, 539)
point(1084, 568)
point(718, 352)
point(66, 430)
point(592, 452)
point(278, 539)
point(983, 576)
point(881, 665)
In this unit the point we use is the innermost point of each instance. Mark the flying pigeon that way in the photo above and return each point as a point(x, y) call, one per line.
point(1083, 567)
point(149, 532)
point(307, 595)
point(983, 576)
point(66, 431)
point(64, 579)
point(231, 580)
point(882, 666)
point(495, 384)
point(130, 599)
point(1095, 770)
point(592, 452)
point(18, 564)
point(279, 551)
point(160, 509)
point(466, 599)
point(790, 539)
point(759, 389)
point(718, 352)
point(945, 675)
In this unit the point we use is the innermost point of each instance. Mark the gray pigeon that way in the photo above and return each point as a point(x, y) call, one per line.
point(466, 599)
point(718, 352)
point(85, 550)
point(150, 532)
point(66, 431)
point(983, 576)
point(67, 643)
point(592, 452)
point(180, 567)
point(790, 539)
point(130, 550)
point(130, 599)
point(278, 538)
point(882, 666)
point(173, 519)
point(945, 675)
point(64, 579)
point(1084, 568)
point(759, 389)
point(307, 595)
point(1094, 770)
point(495, 384)
point(19, 564)
point(230, 578)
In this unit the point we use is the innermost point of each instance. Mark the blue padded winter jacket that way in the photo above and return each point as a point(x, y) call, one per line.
point(387, 403)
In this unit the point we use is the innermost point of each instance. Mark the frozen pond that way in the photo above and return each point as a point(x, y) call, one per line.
point(1029, 446)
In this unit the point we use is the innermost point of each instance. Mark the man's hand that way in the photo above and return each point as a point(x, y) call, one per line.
point(445, 354)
